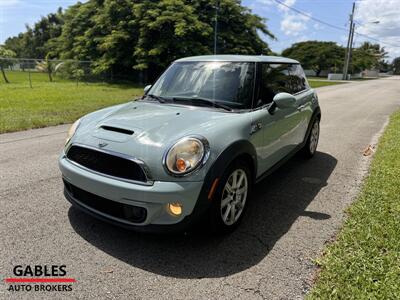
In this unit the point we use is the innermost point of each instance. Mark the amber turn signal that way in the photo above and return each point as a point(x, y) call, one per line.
point(181, 165)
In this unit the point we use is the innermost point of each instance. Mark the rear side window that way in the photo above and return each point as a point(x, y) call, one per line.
point(298, 80)
point(274, 79)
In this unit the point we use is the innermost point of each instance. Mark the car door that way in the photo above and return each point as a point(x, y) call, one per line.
point(304, 96)
point(274, 130)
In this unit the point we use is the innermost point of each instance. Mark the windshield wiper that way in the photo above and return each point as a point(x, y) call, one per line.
point(158, 98)
point(204, 101)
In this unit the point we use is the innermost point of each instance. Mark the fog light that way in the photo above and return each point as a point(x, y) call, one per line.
point(175, 208)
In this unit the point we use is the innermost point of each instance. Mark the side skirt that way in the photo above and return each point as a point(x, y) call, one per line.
point(280, 163)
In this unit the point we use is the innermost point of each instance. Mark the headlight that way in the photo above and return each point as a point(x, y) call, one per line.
point(186, 155)
point(72, 130)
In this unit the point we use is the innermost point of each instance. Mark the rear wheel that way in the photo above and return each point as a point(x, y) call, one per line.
point(312, 141)
point(231, 197)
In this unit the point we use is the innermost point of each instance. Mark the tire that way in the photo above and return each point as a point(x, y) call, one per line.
point(229, 206)
point(311, 145)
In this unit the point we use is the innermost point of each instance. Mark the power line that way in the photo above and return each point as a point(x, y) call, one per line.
point(331, 25)
point(311, 17)
point(376, 40)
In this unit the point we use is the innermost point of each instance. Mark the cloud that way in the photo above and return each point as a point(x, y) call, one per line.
point(9, 3)
point(318, 26)
point(276, 4)
point(387, 12)
point(292, 24)
point(288, 3)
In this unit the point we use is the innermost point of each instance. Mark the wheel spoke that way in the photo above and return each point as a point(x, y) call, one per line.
point(228, 187)
point(226, 214)
point(240, 180)
point(234, 179)
point(242, 190)
point(225, 201)
point(233, 211)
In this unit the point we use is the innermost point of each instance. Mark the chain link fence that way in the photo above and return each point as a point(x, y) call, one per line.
point(34, 72)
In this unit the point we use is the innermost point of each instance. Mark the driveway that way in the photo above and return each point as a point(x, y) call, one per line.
point(294, 212)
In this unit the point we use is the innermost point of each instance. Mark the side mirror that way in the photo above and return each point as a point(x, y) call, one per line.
point(147, 88)
point(284, 100)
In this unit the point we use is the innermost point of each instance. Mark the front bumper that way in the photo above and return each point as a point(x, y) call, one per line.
point(153, 198)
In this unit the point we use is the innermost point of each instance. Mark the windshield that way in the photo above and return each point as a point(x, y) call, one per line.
point(228, 83)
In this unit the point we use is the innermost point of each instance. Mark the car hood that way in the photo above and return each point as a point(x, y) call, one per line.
point(154, 128)
point(156, 124)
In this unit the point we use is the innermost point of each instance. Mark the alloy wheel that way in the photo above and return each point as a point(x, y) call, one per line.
point(314, 137)
point(234, 196)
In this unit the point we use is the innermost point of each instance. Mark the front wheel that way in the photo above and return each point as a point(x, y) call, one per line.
point(231, 197)
point(312, 141)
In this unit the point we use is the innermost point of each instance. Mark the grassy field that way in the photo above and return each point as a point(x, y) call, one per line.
point(364, 261)
point(62, 101)
point(52, 103)
point(319, 83)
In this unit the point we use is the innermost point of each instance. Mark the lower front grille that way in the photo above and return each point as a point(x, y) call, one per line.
point(131, 213)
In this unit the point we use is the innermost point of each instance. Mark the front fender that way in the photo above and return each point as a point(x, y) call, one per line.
point(242, 149)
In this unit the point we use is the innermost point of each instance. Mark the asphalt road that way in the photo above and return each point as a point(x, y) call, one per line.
point(294, 212)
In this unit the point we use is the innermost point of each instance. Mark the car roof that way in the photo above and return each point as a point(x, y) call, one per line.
point(239, 58)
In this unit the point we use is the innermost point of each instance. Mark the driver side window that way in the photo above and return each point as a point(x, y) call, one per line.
point(274, 80)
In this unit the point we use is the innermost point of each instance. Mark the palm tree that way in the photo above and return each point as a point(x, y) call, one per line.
point(48, 66)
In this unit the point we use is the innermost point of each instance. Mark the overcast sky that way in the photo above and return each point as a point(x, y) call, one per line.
point(287, 25)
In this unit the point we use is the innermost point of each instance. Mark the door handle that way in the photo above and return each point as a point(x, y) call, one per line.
point(255, 127)
point(301, 107)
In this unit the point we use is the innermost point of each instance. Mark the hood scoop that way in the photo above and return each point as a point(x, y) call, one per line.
point(117, 129)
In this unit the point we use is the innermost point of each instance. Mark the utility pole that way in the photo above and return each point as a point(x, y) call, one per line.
point(216, 27)
point(350, 48)
point(349, 44)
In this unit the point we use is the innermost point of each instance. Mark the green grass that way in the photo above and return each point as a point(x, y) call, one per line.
point(364, 261)
point(365, 78)
point(319, 83)
point(53, 103)
point(61, 101)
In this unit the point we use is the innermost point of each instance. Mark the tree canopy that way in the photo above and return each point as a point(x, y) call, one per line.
point(121, 36)
point(317, 55)
point(396, 65)
point(368, 56)
point(35, 42)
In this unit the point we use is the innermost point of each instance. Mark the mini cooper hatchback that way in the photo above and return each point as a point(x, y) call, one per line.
point(193, 146)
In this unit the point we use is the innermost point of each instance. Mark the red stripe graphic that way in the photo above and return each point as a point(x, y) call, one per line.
point(10, 280)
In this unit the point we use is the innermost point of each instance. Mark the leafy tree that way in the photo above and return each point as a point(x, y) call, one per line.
point(170, 29)
point(238, 27)
point(15, 44)
point(118, 35)
point(125, 37)
point(77, 40)
point(317, 55)
point(35, 42)
point(368, 56)
point(396, 65)
point(4, 62)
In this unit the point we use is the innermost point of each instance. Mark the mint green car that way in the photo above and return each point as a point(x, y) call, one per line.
point(194, 145)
